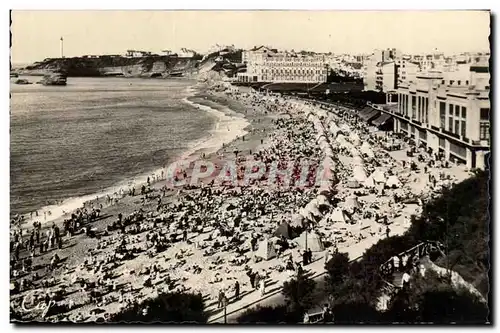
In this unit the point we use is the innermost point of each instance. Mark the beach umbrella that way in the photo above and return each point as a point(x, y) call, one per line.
point(313, 241)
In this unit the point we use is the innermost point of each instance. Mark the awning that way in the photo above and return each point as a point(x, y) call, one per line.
point(370, 115)
point(384, 117)
point(364, 111)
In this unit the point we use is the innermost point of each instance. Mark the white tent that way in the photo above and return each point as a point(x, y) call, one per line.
point(369, 182)
point(266, 250)
point(357, 160)
point(323, 200)
point(338, 215)
point(378, 176)
point(312, 207)
point(352, 202)
point(359, 173)
point(353, 183)
point(393, 181)
point(345, 127)
point(297, 220)
point(307, 214)
point(313, 241)
point(355, 138)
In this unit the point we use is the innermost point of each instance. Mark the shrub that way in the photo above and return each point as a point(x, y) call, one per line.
point(166, 308)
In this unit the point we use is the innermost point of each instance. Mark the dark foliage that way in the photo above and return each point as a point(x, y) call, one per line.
point(355, 312)
point(298, 294)
point(433, 300)
point(269, 315)
point(459, 219)
point(166, 308)
point(337, 270)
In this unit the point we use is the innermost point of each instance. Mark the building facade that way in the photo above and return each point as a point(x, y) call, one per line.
point(380, 71)
point(269, 65)
point(447, 115)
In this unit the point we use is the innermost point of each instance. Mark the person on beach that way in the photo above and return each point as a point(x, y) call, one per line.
point(236, 291)
point(256, 280)
point(220, 302)
point(262, 287)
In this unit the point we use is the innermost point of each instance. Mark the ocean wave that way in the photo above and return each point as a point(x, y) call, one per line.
point(226, 129)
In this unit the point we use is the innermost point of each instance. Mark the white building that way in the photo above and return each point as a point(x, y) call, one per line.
point(407, 70)
point(448, 113)
point(268, 65)
point(137, 54)
point(380, 71)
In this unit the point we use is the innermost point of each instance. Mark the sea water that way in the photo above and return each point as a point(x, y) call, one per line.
point(95, 135)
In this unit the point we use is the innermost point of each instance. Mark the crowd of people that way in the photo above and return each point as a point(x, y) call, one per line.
point(221, 239)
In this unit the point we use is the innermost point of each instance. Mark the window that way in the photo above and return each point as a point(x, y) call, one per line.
point(466, 82)
point(413, 106)
point(457, 127)
point(443, 82)
point(451, 82)
point(484, 114)
point(463, 128)
point(484, 131)
point(450, 124)
point(464, 112)
point(442, 114)
point(458, 82)
point(457, 111)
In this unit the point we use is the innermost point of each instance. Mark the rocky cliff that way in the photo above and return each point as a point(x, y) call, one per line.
point(225, 63)
point(152, 66)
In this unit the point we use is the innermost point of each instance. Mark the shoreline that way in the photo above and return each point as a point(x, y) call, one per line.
point(210, 143)
point(218, 270)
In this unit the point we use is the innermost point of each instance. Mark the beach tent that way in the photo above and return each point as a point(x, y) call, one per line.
point(369, 182)
point(366, 149)
point(352, 202)
point(313, 208)
point(284, 229)
point(355, 152)
point(393, 181)
point(353, 183)
point(355, 139)
point(345, 127)
point(323, 200)
point(307, 215)
point(338, 215)
point(357, 160)
point(297, 220)
point(313, 241)
point(378, 176)
point(359, 173)
point(266, 250)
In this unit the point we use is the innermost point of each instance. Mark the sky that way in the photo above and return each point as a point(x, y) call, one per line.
point(36, 34)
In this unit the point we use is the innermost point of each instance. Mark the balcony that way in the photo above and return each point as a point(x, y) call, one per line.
point(456, 136)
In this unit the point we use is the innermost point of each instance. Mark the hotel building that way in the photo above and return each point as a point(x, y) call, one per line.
point(268, 65)
point(447, 112)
